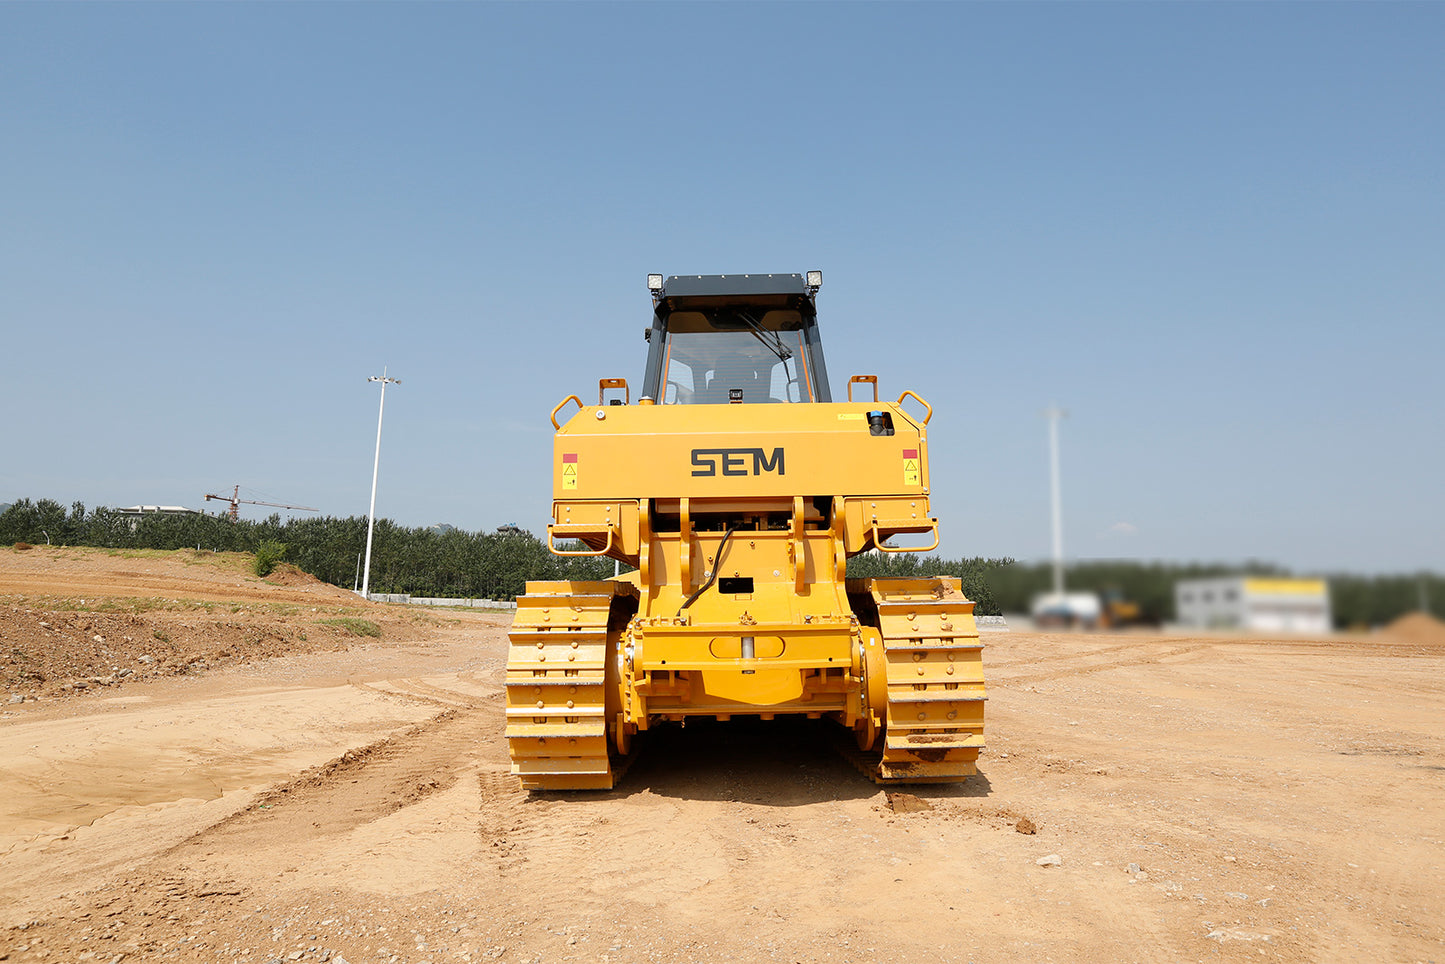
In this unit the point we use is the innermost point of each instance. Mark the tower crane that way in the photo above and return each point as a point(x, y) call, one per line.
point(235, 500)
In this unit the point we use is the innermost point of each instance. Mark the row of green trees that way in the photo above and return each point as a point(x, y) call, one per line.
point(496, 565)
point(978, 575)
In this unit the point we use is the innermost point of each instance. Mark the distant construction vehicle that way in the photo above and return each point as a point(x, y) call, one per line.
point(739, 489)
point(1066, 610)
point(1119, 611)
point(1086, 610)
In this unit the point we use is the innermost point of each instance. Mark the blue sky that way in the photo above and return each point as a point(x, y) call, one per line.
point(1214, 233)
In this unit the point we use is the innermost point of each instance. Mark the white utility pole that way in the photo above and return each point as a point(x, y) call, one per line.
point(371, 515)
point(1053, 413)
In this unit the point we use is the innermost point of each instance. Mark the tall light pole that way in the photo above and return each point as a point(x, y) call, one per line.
point(371, 515)
point(1053, 413)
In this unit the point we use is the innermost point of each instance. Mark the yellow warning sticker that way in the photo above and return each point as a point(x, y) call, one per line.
point(911, 462)
point(569, 475)
point(851, 416)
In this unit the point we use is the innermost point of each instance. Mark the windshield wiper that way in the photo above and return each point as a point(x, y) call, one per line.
point(771, 339)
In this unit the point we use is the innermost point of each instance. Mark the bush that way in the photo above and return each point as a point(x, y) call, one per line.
point(268, 553)
point(22, 546)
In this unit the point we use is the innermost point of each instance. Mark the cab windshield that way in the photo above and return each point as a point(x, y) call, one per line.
point(747, 356)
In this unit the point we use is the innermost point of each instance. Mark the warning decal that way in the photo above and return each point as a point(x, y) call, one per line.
point(569, 470)
point(911, 474)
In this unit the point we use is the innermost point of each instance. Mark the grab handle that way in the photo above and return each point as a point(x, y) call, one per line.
point(551, 546)
point(569, 398)
point(878, 540)
point(916, 398)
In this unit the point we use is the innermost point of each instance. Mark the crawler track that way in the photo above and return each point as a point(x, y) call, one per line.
point(557, 673)
point(935, 691)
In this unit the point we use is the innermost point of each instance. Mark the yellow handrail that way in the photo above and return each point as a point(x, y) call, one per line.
point(569, 398)
point(919, 400)
point(933, 526)
point(585, 552)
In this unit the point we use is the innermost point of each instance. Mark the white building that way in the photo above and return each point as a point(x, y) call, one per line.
point(134, 513)
point(137, 511)
point(1255, 604)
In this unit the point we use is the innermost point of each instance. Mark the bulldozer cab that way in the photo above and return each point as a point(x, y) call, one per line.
point(735, 339)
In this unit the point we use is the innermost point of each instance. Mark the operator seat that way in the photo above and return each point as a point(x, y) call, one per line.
point(734, 371)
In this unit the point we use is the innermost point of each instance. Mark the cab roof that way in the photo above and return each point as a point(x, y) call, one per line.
point(703, 285)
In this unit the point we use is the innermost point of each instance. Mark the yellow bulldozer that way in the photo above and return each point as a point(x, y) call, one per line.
point(737, 489)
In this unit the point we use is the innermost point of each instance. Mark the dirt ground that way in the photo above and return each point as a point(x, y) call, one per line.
point(319, 796)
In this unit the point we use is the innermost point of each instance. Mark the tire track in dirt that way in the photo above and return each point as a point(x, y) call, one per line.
point(422, 688)
point(1068, 671)
point(418, 691)
point(1301, 647)
point(491, 684)
point(1335, 647)
point(1096, 651)
point(358, 787)
point(503, 824)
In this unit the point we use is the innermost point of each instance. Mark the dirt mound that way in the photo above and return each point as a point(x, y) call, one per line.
point(144, 615)
point(288, 575)
point(1417, 627)
point(50, 652)
point(907, 803)
point(68, 574)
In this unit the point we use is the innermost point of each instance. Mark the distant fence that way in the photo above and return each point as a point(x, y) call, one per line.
point(407, 599)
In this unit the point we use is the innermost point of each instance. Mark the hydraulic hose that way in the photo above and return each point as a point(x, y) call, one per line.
point(712, 577)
